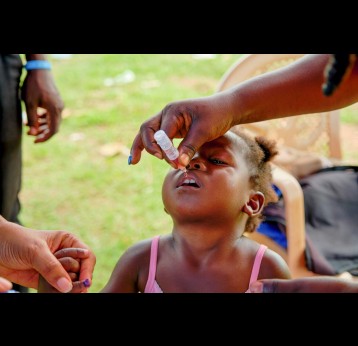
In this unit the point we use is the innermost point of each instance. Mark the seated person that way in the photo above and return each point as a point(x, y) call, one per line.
point(218, 198)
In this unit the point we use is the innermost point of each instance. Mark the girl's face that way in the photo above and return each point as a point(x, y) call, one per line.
point(216, 185)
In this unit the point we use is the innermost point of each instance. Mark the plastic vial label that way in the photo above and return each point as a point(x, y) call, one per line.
point(167, 146)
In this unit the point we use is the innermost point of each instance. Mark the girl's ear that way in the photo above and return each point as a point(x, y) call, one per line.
point(255, 204)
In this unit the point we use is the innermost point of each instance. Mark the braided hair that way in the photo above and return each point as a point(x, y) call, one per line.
point(258, 153)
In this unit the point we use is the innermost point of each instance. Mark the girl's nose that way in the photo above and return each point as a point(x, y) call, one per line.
point(196, 163)
point(193, 165)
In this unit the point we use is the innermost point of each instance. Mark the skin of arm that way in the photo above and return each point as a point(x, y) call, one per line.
point(292, 90)
point(322, 284)
point(39, 90)
point(274, 266)
point(288, 91)
point(128, 275)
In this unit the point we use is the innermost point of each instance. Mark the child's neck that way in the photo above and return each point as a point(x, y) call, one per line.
point(203, 227)
point(207, 234)
point(203, 248)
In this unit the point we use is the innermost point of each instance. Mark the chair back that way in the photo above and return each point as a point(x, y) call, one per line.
point(316, 134)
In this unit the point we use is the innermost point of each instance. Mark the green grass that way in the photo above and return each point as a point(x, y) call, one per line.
point(68, 184)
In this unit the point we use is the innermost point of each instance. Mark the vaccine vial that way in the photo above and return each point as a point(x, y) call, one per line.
point(167, 146)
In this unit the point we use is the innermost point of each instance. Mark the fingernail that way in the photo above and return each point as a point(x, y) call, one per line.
point(64, 285)
point(87, 283)
point(129, 159)
point(40, 136)
point(158, 155)
point(256, 287)
point(184, 159)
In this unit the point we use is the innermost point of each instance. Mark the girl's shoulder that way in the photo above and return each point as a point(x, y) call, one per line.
point(139, 250)
point(131, 270)
point(272, 265)
point(140, 245)
point(142, 249)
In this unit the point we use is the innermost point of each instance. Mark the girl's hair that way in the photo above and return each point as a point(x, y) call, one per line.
point(259, 152)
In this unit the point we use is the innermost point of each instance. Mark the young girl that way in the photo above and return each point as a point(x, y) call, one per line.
point(221, 195)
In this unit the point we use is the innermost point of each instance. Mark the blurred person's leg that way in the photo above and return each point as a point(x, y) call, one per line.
point(10, 139)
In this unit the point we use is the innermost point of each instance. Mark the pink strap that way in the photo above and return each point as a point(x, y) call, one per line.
point(257, 263)
point(152, 264)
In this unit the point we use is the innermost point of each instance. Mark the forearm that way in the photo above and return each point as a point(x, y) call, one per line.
point(3, 224)
point(292, 90)
point(9, 233)
point(4, 227)
point(315, 284)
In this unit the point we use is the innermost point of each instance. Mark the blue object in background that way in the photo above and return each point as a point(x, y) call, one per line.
point(271, 229)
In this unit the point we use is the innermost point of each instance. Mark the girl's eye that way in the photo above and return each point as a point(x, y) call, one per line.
point(217, 162)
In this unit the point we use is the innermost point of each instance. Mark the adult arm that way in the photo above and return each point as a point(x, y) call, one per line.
point(323, 284)
point(288, 91)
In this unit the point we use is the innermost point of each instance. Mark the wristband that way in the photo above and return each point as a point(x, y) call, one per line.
point(37, 65)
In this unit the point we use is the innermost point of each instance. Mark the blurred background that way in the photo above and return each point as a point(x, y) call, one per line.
point(80, 180)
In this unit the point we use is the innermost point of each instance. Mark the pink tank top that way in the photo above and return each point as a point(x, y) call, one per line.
point(153, 287)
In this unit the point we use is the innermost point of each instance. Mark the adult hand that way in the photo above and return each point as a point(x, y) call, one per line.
point(317, 284)
point(70, 259)
point(196, 120)
point(26, 253)
point(39, 90)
